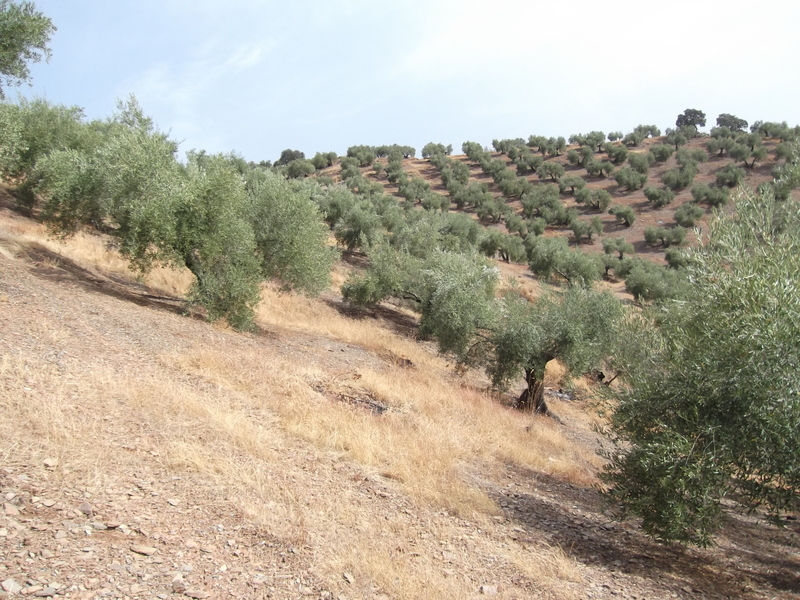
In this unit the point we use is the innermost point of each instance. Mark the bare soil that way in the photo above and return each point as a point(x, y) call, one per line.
point(140, 526)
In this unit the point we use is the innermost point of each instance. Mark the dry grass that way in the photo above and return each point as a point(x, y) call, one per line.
point(235, 414)
point(93, 252)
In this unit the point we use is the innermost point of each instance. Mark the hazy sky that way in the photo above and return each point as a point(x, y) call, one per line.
point(260, 76)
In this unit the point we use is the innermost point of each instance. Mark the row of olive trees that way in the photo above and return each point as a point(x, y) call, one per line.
point(232, 225)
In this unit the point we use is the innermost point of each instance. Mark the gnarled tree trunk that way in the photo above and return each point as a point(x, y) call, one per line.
point(532, 398)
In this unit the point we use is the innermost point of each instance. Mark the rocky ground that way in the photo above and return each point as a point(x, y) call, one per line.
point(143, 528)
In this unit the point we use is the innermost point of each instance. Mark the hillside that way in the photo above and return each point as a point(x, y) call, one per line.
point(647, 213)
point(145, 453)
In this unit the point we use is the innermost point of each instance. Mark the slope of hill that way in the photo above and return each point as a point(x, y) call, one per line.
point(647, 215)
point(144, 453)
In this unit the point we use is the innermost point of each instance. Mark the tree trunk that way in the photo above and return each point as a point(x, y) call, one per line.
point(532, 399)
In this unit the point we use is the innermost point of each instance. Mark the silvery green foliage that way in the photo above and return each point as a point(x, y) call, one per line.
point(713, 407)
point(25, 33)
point(232, 228)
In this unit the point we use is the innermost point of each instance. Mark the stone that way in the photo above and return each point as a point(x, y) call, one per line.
point(11, 586)
point(10, 510)
point(348, 577)
point(99, 526)
point(173, 501)
point(179, 586)
point(488, 590)
point(196, 594)
point(45, 553)
point(86, 508)
point(146, 550)
point(50, 463)
point(46, 592)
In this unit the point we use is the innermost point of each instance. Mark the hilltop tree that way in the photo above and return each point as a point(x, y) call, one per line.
point(691, 117)
point(431, 149)
point(731, 122)
point(300, 168)
point(288, 156)
point(24, 38)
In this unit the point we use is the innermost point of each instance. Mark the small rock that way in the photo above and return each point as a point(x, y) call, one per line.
point(348, 578)
point(179, 586)
point(86, 508)
point(146, 550)
point(10, 510)
point(207, 549)
point(137, 588)
point(197, 594)
point(45, 553)
point(61, 534)
point(172, 501)
point(488, 590)
point(113, 524)
point(46, 592)
point(48, 502)
point(11, 586)
point(99, 526)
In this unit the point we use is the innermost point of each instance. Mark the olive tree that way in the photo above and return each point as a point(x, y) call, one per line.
point(548, 256)
point(624, 214)
point(711, 413)
point(229, 231)
point(575, 326)
point(688, 214)
point(714, 195)
point(659, 197)
point(24, 38)
point(629, 179)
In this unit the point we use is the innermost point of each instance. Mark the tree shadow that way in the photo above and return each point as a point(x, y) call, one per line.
point(571, 517)
point(399, 322)
point(55, 267)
